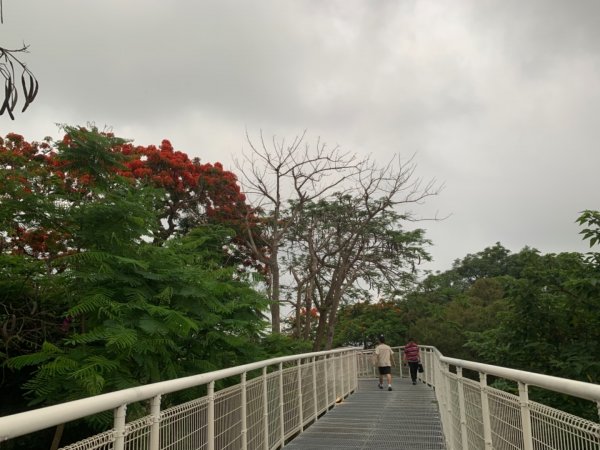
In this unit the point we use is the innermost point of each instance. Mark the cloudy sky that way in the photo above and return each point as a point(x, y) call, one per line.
point(497, 99)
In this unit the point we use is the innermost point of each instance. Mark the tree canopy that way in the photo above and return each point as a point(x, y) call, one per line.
point(98, 292)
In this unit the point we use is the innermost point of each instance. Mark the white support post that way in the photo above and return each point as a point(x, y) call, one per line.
point(334, 377)
point(485, 411)
point(428, 367)
point(244, 413)
point(211, 416)
point(265, 410)
point(155, 430)
point(300, 408)
point(326, 369)
point(119, 425)
point(343, 376)
point(315, 397)
point(525, 416)
point(281, 406)
point(400, 363)
point(463, 412)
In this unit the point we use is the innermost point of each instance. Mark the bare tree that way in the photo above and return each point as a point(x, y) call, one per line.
point(279, 178)
point(357, 237)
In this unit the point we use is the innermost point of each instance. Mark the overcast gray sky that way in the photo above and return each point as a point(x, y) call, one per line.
point(497, 99)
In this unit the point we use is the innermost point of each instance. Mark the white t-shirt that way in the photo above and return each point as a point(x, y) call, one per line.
point(383, 353)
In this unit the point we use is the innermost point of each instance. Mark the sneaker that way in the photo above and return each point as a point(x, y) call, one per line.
point(414, 382)
point(389, 388)
point(380, 386)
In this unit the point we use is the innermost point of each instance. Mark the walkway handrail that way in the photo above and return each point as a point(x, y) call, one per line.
point(30, 421)
point(575, 388)
point(266, 411)
point(476, 415)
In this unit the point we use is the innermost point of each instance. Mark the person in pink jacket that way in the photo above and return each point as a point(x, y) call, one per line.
point(412, 356)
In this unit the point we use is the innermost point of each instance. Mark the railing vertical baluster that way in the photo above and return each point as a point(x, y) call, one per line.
point(343, 376)
point(266, 409)
point(525, 416)
point(485, 411)
point(315, 397)
point(281, 405)
point(210, 416)
point(463, 412)
point(325, 364)
point(155, 430)
point(356, 375)
point(300, 406)
point(244, 412)
point(119, 425)
point(348, 373)
point(400, 363)
point(334, 379)
point(429, 366)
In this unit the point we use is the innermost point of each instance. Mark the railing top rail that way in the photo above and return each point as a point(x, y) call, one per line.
point(38, 419)
point(579, 389)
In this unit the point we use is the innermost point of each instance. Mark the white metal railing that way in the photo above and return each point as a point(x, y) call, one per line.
point(258, 413)
point(477, 416)
point(278, 398)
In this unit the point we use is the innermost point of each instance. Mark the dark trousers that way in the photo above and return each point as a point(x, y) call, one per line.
point(414, 368)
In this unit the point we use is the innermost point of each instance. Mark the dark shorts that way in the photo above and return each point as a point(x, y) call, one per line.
point(385, 370)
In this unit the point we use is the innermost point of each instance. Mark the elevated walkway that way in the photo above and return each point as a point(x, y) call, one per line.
point(406, 418)
point(330, 400)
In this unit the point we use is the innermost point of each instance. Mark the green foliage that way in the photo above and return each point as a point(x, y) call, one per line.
point(525, 310)
point(107, 309)
point(274, 345)
point(360, 324)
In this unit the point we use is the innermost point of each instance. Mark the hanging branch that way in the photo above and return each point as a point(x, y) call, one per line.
point(29, 84)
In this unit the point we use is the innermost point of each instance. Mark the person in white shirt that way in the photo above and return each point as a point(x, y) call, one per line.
point(383, 360)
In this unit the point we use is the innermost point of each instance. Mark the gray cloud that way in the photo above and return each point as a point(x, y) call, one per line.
point(498, 99)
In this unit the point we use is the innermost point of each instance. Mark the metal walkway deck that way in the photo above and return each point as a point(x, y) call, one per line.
point(406, 418)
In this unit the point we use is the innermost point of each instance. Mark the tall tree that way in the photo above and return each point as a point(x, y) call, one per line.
point(356, 239)
point(196, 192)
point(87, 297)
point(272, 175)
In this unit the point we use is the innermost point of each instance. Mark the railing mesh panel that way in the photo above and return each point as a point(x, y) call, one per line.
point(291, 406)
point(321, 366)
point(505, 420)
point(308, 391)
point(137, 434)
point(554, 429)
point(455, 406)
point(228, 418)
point(473, 414)
point(273, 401)
point(183, 427)
point(255, 414)
point(102, 441)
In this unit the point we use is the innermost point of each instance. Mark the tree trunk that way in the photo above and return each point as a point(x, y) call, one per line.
point(275, 289)
point(331, 328)
point(321, 328)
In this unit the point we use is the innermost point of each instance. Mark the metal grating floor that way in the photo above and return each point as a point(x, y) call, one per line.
point(406, 418)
